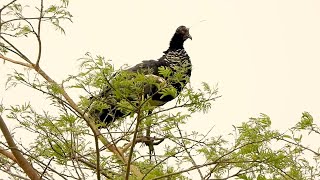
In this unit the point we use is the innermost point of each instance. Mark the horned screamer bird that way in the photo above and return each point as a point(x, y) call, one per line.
point(175, 59)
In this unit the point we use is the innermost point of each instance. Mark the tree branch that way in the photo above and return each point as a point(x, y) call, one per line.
point(5, 6)
point(24, 57)
point(187, 151)
point(96, 141)
point(89, 120)
point(133, 142)
point(23, 163)
point(204, 165)
point(141, 139)
point(45, 169)
point(38, 35)
point(8, 154)
point(15, 62)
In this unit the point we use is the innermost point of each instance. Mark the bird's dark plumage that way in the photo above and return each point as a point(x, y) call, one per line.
point(174, 57)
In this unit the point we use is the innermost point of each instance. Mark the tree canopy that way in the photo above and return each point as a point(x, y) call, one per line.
point(67, 142)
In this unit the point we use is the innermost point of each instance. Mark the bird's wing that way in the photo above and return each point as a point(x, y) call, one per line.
point(148, 66)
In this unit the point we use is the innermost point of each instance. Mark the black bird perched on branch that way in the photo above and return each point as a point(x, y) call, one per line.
point(175, 58)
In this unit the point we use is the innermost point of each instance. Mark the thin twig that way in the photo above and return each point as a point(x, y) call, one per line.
point(93, 166)
point(303, 147)
point(15, 175)
point(204, 165)
point(5, 6)
point(186, 150)
point(133, 142)
point(26, 18)
point(38, 35)
point(182, 105)
point(96, 141)
point(24, 57)
point(119, 150)
point(45, 169)
point(218, 159)
point(142, 140)
point(6, 34)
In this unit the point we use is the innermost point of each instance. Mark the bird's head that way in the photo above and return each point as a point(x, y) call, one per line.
point(183, 32)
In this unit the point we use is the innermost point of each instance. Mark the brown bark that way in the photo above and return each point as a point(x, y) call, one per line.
point(22, 162)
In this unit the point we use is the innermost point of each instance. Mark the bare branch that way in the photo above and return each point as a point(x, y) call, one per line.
point(5, 6)
point(38, 35)
point(8, 154)
point(303, 147)
point(17, 50)
point(26, 18)
point(45, 169)
point(96, 141)
point(15, 62)
point(133, 142)
point(187, 151)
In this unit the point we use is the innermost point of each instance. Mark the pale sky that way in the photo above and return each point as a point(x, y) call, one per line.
point(263, 54)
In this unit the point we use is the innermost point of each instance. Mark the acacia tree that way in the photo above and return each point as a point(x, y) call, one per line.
point(68, 144)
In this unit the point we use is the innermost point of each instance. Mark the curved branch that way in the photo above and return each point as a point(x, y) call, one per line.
point(5, 6)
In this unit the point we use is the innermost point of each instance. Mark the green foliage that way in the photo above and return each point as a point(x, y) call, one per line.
point(255, 157)
point(165, 71)
point(257, 151)
point(63, 136)
point(198, 101)
point(64, 147)
point(306, 121)
point(21, 20)
point(152, 170)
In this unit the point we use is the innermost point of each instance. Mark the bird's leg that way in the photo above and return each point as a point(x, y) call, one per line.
point(149, 141)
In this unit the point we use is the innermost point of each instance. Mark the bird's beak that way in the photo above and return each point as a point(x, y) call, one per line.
point(189, 36)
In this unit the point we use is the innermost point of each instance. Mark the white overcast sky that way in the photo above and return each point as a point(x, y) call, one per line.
point(263, 54)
